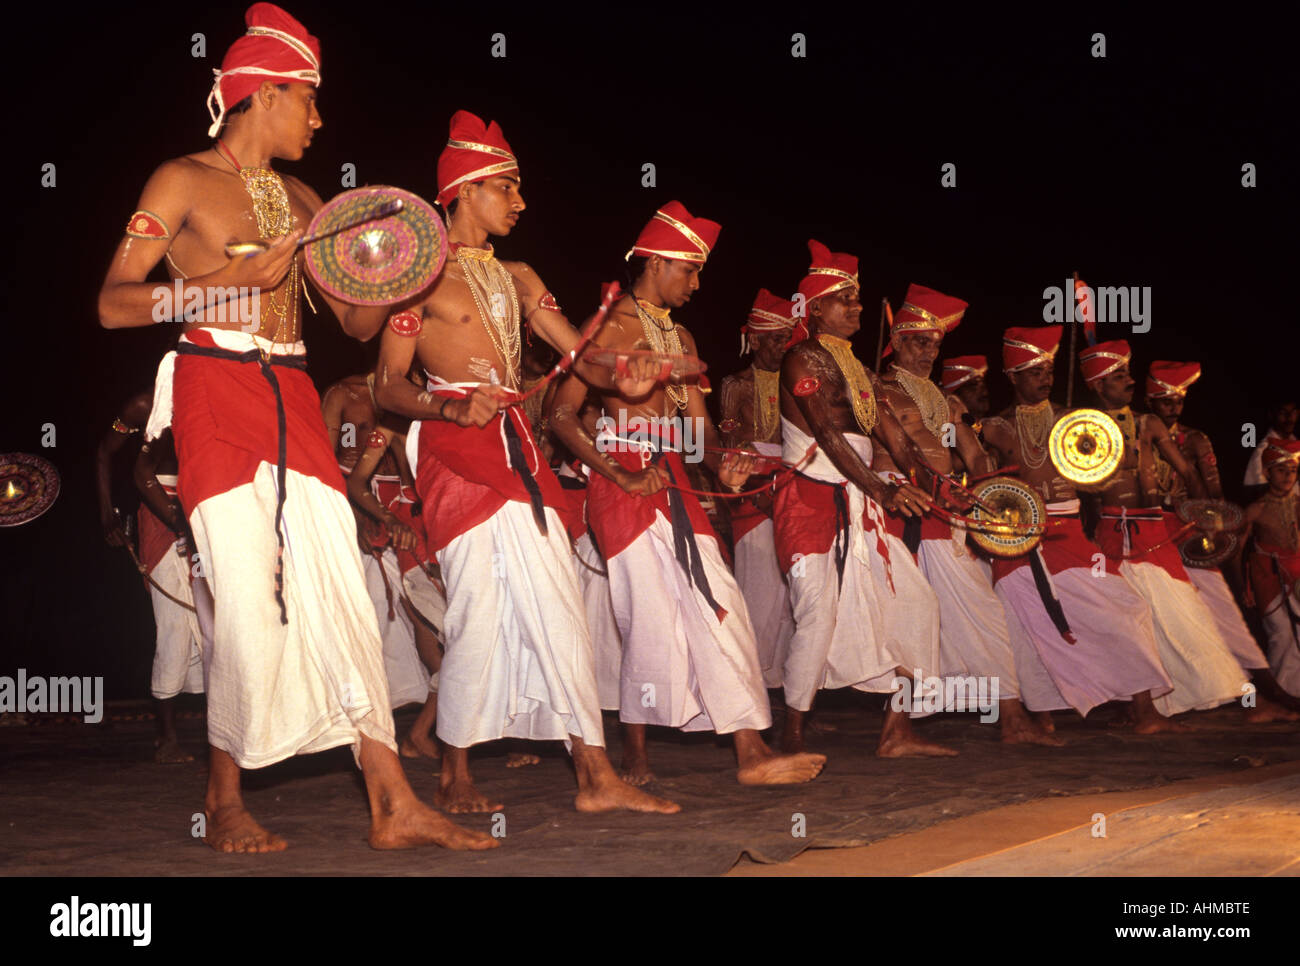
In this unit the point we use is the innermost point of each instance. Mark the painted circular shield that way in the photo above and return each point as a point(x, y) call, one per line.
point(1211, 515)
point(1086, 447)
point(1019, 522)
point(29, 486)
point(380, 262)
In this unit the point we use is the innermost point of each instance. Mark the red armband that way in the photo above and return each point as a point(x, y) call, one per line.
point(376, 440)
point(405, 323)
point(729, 425)
point(145, 224)
point(807, 386)
point(547, 301)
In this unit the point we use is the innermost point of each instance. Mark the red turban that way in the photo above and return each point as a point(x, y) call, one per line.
point(672, 233)
point(829, 272)
point(1023, 347)
point(1171, 378)
point(770, 313)
point(962, 369)
point(276, 47)
point(1104, 358)
point(1281, 451)
point(474, 152)
point(924, 309)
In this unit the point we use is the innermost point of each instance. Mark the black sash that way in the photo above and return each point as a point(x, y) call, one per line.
point(515, 448)
point(841, 544)
point(291, 362)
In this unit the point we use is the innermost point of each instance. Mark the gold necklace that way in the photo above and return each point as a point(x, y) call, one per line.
point(861, 395)
point(663, 340)
point(1033, 427)
point(1286, 510)
point(767, 414)
point(1127, 423)
point(489, 283)
point(930, 402)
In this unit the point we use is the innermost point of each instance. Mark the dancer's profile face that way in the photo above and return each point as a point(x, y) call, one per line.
point(840, 312)
point(495, 203)
point(1034, 384)
point(1167, 408)
point(916, 351)
point(676, 280)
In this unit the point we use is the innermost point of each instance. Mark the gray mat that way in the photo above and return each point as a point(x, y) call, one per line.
point(80, 800)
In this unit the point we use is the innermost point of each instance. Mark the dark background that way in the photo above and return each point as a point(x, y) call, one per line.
point(1126, 169)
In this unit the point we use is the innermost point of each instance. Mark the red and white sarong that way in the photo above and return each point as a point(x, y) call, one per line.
point(178, 652)
point(767, 596)
point(1100, 645)
point(518, 660)
point(312, 677)
point(689, 657)
point(1203, 671)
point(861, 605)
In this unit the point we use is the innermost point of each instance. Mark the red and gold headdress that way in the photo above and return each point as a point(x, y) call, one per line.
point(960, 370)
point(474, 152)
point(275, 47)
point(1281, 451)
point(829, 272)
point(1024, 347)
point(770, 313)
point(1171, 378)
point(1102, 359)
point(672, 233)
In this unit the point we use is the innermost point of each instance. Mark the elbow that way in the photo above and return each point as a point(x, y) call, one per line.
point(385, 396)
point(105, 311)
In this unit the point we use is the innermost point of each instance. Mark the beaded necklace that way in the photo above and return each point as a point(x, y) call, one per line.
point(930, 402)
point(664, 340)
point(855, 378)
point(497, 302)
point(767, 414)
point(1033, 427)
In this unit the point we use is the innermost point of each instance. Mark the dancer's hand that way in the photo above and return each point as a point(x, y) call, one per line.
point(908, 501)
point(642, 482)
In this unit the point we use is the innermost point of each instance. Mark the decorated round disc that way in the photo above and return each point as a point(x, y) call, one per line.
point(1211, 515)
point(1018, 508)
point(1086, 447)
point(379, 262)
point(1206, 550)
point(682, 365)
point(29, 486)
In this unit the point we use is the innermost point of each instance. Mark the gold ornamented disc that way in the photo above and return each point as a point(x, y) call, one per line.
point(1019, 522)
point(1086, 447)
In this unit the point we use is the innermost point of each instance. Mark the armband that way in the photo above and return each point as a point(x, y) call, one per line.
point(729, 425)
point(405, 323)
point(145, 224)
point(807, 386)
point(123, 428)
point(376, 440)
point(547, 301)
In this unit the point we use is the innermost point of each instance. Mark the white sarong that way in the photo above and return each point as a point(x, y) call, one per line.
point(408, 681)
point(1216, 596)
point(178, 653)
point(881, 616)
point(1283, 642)
point(681, 667)
point(605, 638)
point(519, 660)
point(768, 598)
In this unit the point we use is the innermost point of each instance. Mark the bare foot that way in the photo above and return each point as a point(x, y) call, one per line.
point(458, 797)
point(908, 745)
point(782, 769)
point(417, 824)
point(820, 726)
point(169, 752)
point(518, 759)
point(419, 746)
point(1148, 725)
point(1266, 711)
point(1027, 732)
point(609, 794)
point(232, 829)
point(635, 769)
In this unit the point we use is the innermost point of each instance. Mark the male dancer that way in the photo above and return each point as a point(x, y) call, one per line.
point(689, 658)
point(1081, 636)
point(1166, 390)
point(1134, 537)
point(1275, 561)
point(164, 553)
point(973, 636)
point(864, 616)
point(519, 658)
point(296, 664)
point(751, 416)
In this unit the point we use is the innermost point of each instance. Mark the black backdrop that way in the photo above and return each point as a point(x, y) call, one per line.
point(1127, 169)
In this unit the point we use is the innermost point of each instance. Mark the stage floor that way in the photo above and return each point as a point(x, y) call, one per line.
point(88, 800)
